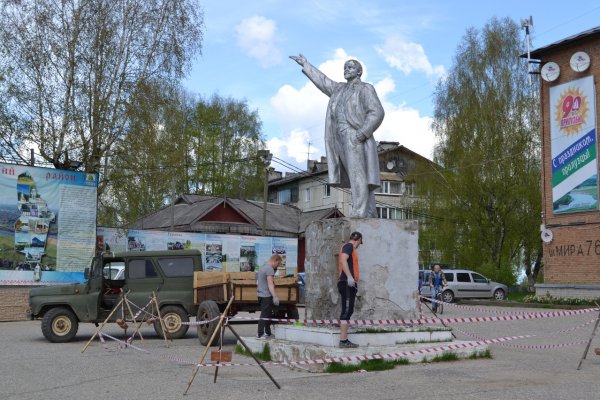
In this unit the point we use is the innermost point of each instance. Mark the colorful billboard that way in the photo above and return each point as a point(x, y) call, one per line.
point(229, 253)
point(573, 146)
point(47, 219)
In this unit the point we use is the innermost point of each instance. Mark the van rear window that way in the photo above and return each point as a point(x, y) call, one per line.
point(177, 267)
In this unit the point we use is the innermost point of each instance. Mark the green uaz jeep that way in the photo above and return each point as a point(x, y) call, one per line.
point(169, 274)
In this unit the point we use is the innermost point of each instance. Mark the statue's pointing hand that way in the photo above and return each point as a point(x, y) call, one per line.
point(300, 59)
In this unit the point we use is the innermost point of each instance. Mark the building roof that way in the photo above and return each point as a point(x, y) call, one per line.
point(194, 213)
point(537, 53)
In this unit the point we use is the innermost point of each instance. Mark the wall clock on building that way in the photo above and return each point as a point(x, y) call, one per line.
point(580, 61)
point(550, 71)
point(547, 235)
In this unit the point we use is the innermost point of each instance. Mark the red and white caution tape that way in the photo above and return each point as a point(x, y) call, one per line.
point(471, 308)
point(455, 320)
point(346, 359)
point(524, 346)
point(123, 343)
point(207, 321)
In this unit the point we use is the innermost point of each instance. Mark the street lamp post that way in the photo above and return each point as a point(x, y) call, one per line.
point(265, 156)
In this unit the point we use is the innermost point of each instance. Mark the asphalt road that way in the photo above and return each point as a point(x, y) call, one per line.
point(32, 368)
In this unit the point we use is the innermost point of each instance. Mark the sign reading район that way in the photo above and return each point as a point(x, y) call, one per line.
point(47, 218)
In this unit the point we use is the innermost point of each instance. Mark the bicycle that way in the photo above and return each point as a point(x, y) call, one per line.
point(437, 307)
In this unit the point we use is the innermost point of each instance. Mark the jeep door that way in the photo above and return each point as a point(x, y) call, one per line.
point(179, 281)
point(142, 279)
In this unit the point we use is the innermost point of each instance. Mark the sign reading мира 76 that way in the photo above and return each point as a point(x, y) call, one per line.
point(573, 145)
point(585, 248)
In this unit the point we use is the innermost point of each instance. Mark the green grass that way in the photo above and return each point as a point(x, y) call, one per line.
point(445, 357)
point(517, 296)
point(367, 365)
point(481, 354)
point(264, 355)
point(376, 330)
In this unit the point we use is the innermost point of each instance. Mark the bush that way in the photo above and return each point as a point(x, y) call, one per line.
point(553, 300)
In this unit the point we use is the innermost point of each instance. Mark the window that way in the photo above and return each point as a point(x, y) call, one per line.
point(479, 278)
point(307, 195)
point(386, 213)
point(294, 195)
point(409, 188)
point(390, 187)
point(174, 267)
point(393, 213)
point(139, 269)
point(463, 277)
point(449, 276)
point(326, 190)
point(284, 196)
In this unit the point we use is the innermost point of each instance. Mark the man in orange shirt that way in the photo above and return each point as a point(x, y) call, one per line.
point(347, 283)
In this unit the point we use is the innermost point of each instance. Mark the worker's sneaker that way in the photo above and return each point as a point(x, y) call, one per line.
point(346, 344)
point(264, 337)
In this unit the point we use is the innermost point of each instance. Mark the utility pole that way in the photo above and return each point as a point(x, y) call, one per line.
point(173, 203)
point(265, 156)
point(32, 154)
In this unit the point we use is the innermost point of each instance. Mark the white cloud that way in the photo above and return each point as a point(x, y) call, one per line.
point(404, 124)
point(257, 37)
point(301, 116)
point(408, 57)
point(293, 146)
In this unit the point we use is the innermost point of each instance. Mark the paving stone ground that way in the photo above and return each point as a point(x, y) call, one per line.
point(32, 368)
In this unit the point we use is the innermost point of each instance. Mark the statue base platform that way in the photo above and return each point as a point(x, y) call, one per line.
point(388, 260)
point(415, 344)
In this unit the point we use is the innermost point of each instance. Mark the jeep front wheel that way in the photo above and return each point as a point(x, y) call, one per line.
point(172, 317)
point(60, 325)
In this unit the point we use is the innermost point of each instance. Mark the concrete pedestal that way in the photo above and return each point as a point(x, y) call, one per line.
point(388, 262)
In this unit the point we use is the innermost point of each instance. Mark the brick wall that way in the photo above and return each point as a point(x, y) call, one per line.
point(573, 256)
point(14, 301)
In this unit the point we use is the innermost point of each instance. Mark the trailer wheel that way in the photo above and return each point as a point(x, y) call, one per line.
point(172, 316)
point(60, 325)
point(207, 311)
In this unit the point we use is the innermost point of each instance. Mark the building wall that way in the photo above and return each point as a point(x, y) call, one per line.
point(573, 256)
point(318, 199)
point(14, 301)
point(396, 164)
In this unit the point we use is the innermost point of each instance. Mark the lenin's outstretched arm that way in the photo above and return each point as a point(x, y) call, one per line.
point(320, 80)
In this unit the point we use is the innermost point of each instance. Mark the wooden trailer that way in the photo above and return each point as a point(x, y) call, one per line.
point(212, 291)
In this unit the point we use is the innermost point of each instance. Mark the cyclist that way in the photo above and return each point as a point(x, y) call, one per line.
point(437, 281)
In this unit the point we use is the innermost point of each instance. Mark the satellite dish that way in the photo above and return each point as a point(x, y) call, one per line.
point(580, 61)
point(390, 165)
point(550, 71)
point(547, 236)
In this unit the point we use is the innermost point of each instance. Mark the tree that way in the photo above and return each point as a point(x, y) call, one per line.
point(488, 186)
point(148, 165)
point(225, 138)
point(68, 70)
point(179, 144)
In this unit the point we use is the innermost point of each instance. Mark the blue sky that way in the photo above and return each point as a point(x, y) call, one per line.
point(405, 46)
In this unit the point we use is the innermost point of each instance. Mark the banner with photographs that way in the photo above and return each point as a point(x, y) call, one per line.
point(47, 221)
point(229, 253)
point(574, 146)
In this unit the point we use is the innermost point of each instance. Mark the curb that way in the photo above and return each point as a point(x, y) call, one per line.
point(514, 304)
